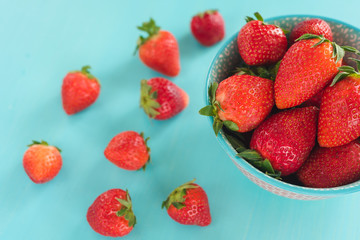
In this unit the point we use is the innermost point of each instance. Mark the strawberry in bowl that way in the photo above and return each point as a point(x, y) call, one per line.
point(273, 151)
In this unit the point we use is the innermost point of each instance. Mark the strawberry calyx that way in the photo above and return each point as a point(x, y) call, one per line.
point(148, 99)
point(126, 210)
point(150, 28)
point(268, 72)
point(85, 71)
point(346, 71)
point(177, 197)
point(261, 19)
point(147, 149)
point(213, 109)
point(44, 143)
point(255, 159)
point(210, 12)
point(338, 51)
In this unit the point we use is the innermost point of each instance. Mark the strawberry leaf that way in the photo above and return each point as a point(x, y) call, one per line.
point(351, 49)
point(258, 16)
point(357, 61)
point(177, 197)
point(148, 99)
point(126, 210)
point(217, 125)
point(207, 111)
point(231, 125)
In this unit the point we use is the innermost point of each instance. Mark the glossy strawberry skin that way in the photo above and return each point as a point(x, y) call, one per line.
point(102, 217)
point(313, 26)
point(261, 44)
point(78, 92)
point(42, 163)
point(303, 72)
point(339, 117)
point(331, 167)
point(208, 28)
point(161, 53)
point(171, 98)
point(245, 100)
point(286, 138)
point(127, 150)
point(196, 210)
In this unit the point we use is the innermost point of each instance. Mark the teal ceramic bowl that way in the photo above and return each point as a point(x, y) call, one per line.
point(224, 63)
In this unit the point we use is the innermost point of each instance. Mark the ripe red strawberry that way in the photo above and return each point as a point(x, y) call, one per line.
point(128, 150)
point(208, 27)
point(240, 102)
point(188, 204)
point(313, 26)
point(161, 99)
point(260, 43)
point(159, 51)
point(79, 90)
point(331, 167)
point(42, 162)
point(111, 214)
point(307, 67)
point(286, 138)
point(339, 117)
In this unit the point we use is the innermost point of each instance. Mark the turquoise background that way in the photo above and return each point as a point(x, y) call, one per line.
point(42, 40)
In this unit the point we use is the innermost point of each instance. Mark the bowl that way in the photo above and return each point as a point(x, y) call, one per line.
point(222, 66)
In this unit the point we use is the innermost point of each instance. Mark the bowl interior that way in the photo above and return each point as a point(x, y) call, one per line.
point(228, 58)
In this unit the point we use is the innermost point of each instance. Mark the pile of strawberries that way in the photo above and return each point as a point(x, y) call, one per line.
point(298, 102)
point(111, 214)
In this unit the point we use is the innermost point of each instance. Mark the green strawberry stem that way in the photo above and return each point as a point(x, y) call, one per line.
point(268, 72)
point(150, 28)
point(126, 210)
point(212, 111)
point(147, 149)
point(346, 71)
point(85, 71)
point(202, 14)
point(338, 51)
point(44, 143)
point(148, 100)
point(260, 18)
point(177, 197)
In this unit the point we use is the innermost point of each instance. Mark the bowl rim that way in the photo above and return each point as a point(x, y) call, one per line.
point(340, 190)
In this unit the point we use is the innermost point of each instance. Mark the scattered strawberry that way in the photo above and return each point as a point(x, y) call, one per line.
point(260, 43)
point(240, 102)
point(307, 67)
point(80, 89)
point(313, 26)
point(128, 150)
point(208, 27)
point(286, 138)
point(159, 51)
point(111, 214)
point(161, 99)
point(42, 162)
point(188, 204)
point(331, 167)
point(339, 117)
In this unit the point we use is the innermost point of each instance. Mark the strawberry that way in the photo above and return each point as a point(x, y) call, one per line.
point(313, 26)
point(208, 27)
point(42, 162)
point(188, 204)
point(128, 150)
point(331, 167)
point(339, 117)
point(240, 102)
point(307, 67)
point(111, 214)
point(79, 90)
point(161, 99)
point(159, 50)
point(260, 43)
point(286, 138)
